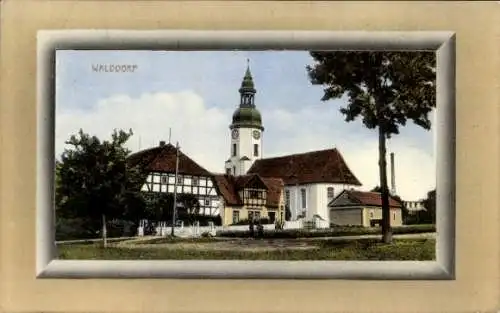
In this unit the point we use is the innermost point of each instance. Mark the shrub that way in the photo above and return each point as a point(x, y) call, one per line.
point(262, 221)
point(202, 219)
point(73, 228)
point(206, 234)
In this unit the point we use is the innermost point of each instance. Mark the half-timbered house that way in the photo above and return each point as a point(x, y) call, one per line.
point(159, 167)
point(250, 197)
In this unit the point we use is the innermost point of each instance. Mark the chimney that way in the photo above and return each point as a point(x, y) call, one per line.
point(162, 143)
point(393, 176)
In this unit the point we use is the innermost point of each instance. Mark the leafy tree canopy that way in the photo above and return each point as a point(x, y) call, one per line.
point(383, 88)
point(93, 179)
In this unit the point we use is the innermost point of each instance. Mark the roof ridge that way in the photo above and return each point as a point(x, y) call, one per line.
point(296, 154)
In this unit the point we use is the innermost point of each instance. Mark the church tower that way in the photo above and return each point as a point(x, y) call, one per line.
point(245, 130)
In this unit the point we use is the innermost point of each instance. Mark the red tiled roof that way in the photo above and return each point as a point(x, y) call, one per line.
point(275, 187)
point(370, 198)
point(226, 186)
point(324, 166)
point(163, 158)
point(229, 186)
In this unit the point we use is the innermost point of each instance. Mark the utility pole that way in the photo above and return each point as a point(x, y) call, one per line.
point(175, 187)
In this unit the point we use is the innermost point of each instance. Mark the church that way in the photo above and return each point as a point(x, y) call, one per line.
point(252, 186)
point(311, 179)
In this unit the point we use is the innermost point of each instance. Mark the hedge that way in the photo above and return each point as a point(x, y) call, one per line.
point(331, 232)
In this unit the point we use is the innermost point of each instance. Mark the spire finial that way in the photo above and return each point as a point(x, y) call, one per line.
point(248, 75)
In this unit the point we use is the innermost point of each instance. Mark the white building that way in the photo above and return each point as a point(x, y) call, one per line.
point(413, 207)
point(311, 179)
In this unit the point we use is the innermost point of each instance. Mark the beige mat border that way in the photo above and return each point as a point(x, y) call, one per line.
point(476, 286)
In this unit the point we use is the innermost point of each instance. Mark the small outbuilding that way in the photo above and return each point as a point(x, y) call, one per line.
point(362, 208)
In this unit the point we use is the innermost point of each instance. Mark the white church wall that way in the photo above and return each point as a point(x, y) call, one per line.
point(316, 199)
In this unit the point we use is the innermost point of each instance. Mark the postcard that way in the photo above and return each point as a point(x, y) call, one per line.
point(220, 155)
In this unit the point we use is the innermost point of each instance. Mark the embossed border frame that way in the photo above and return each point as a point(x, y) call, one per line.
point(443, 42)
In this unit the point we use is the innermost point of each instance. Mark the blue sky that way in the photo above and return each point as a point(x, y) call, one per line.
point(195, 94)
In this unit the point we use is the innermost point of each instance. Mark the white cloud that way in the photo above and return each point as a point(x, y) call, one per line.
point(203, 134)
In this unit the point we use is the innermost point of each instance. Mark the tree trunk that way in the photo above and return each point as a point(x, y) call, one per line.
point(386, 213)
point(104, 232)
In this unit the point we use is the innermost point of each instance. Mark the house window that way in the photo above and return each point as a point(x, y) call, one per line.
point(253, 194)
point(303, 196)
point(394, 216)
point(287, 198)
point(179, 180)
point(207, 202)
point(195, 181)
point(234, 170)
point(256, 150)
point(236, 217)
point(272, 217)
point(253, 215)
point(234, 149)
point(371, 214)
point(330, 193)
point(164, 179)
point(228, 171)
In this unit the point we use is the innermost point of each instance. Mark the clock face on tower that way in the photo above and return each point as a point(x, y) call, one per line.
point(256, 134)
point(235, 134)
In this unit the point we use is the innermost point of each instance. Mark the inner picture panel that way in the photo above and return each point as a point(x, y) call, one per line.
point(260, 166)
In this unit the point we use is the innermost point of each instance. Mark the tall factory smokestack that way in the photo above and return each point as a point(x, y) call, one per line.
point(393, 176)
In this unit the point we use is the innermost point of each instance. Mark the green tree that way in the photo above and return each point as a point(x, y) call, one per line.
point(384, 89)
point(160, 207)
point(376, 189)
point(94, 183)
point(429, 216)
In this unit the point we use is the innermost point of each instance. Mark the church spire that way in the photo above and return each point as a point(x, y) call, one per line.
point(247, 90)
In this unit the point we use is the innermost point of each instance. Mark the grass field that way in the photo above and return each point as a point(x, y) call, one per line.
point(250, 249)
